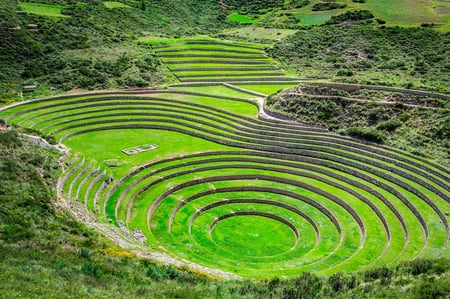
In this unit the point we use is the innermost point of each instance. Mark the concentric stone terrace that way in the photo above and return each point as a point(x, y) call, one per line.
point(226, 190)
point(211, 60)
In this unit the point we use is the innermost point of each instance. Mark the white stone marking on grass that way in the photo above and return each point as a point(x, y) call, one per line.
point(140, 149)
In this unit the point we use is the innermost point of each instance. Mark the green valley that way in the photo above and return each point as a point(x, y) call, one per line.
point(224, 149)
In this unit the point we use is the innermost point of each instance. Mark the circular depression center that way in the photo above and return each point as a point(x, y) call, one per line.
point(257, 235)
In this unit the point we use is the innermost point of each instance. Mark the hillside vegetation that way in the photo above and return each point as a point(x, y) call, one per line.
point(416, 123)
point(61, 54)
point(391, 56)
point(91, 46)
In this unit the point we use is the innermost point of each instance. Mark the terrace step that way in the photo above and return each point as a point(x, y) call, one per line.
point(213, 56)
point(165, 50)
point(212, 61)
point(232, 75)
point(236, 68)
point(233, 80)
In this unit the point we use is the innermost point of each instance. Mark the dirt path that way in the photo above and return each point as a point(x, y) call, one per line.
point(351, 99)
point(259, 100)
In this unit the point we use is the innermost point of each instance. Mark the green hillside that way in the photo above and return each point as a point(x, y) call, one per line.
point(316, 12)
point(224, 149)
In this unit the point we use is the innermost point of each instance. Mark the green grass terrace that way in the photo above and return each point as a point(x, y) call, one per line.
point(214, 60)
point(198, 174)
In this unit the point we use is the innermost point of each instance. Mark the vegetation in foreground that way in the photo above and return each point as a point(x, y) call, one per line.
point(45, 252)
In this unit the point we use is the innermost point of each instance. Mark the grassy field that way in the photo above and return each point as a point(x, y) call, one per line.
point(47, 10)
point(238, 18)
point(115, 4)
point(402, 13)
point(266, 89)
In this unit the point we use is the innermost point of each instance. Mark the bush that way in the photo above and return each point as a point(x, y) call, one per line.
point(51, 139)
point(431, 289)
point(327, 6)
point(352, 16)
point(158, 272)
point(365, 134)
point(295, 4)
point(418, 266)
point(91, 269)
point(345, 73)
point(10, 139)
point(383, 273)
point(389, 125)
point(306, 286)
point(339, 282)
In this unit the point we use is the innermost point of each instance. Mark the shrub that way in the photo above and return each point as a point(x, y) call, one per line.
point(373, 115)
point(326, 110)
point(291, 4)
point(158, 272)
point(85, 253)
point(383, 273)
point(51, 139)
point(431, 288)
point(345, 73)
point(365, 134)
point(339, 282)
point(91, 269)
point(418, 266)
point(10, 139)
point(352, 16)
point(443, 130)
point(389, 125)
point(306, 286)
point(327, 6)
